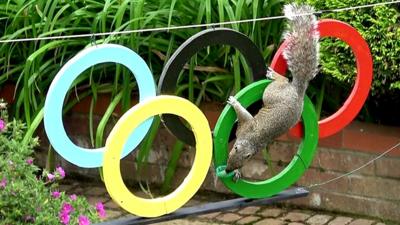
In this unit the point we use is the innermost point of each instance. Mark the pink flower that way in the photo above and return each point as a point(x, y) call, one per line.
point(83, 220)
point(72, 197)
point(64, 217)
point(61, 171)
point(55, 194)
point(29, 161)
point(67, 208)
point(2, 125)
point(100, 210)
point(3, 183)
point(50, 176)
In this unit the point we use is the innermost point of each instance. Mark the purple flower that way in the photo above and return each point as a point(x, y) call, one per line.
point(67, 208)
point(61, 171)
point(3, 183)
point(2, 125)
point(64, 217)
point(29, 161)
point(100, 210)
point(72, 197)
point(55, 194)
point(50, 177)
point(83, 220)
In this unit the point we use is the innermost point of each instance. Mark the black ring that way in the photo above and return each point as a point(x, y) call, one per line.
point(214, 36)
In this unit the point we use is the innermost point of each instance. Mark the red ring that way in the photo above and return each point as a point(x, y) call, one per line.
point(353, 104)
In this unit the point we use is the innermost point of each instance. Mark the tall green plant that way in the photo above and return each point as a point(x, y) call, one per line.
point(33, 65)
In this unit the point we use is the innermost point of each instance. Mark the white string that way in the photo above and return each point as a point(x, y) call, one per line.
point(189, 26)
point(357, 169)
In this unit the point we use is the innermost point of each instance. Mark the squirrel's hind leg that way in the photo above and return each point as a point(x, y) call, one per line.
point(242, 114)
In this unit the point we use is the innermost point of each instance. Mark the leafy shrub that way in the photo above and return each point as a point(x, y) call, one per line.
point(28, 196)
point(379, 26)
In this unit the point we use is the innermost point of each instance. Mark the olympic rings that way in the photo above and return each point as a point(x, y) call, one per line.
point(170, 73)
point(126, 124)
point(353, 104)
point(53, 124)
point(134, 124)
point(286, 177)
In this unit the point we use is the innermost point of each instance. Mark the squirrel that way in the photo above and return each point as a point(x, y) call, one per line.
point(282, 99)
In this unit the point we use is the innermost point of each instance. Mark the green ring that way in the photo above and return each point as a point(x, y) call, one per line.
point(288, 175)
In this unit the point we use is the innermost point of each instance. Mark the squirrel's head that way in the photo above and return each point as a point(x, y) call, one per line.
point(241, 152)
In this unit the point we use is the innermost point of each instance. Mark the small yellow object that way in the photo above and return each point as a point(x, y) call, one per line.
point(120, 133)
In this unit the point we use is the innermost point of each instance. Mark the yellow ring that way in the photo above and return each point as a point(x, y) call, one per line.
point(120, 133)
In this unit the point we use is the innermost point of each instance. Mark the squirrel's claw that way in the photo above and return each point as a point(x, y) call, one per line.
point(236, 175)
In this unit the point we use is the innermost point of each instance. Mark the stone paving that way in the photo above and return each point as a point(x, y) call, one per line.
point(256, 215)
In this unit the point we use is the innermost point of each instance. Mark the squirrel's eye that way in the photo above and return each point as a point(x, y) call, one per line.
point(247, 156)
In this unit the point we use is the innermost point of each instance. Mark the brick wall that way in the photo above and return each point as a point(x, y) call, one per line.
point(372, 191)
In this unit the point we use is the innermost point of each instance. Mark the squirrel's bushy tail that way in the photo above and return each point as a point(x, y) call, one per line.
point(302, 50)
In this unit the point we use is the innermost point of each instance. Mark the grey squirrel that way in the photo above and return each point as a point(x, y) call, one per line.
point(282, 99)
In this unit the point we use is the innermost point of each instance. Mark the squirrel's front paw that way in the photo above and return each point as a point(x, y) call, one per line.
point(232, 101)
point(236, 175)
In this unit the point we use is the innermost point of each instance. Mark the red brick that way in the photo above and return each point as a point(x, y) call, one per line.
point(374, 129)
point(256, 170)
point(212, 183)
point(103, 101)
point(333, 141)
point(360, 205)
point(7, 93)
point(212, 112)
point(388, 167)
point(342, 161)
point(288, 137)
point(281, 151)
point(372, 187)
point(371, 138)
point(314, 176)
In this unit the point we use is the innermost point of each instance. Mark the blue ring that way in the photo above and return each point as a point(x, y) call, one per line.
point(90, 158)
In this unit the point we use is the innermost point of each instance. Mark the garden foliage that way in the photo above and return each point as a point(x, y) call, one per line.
point(32, 65)
point(29, 195)
point(379, 26)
